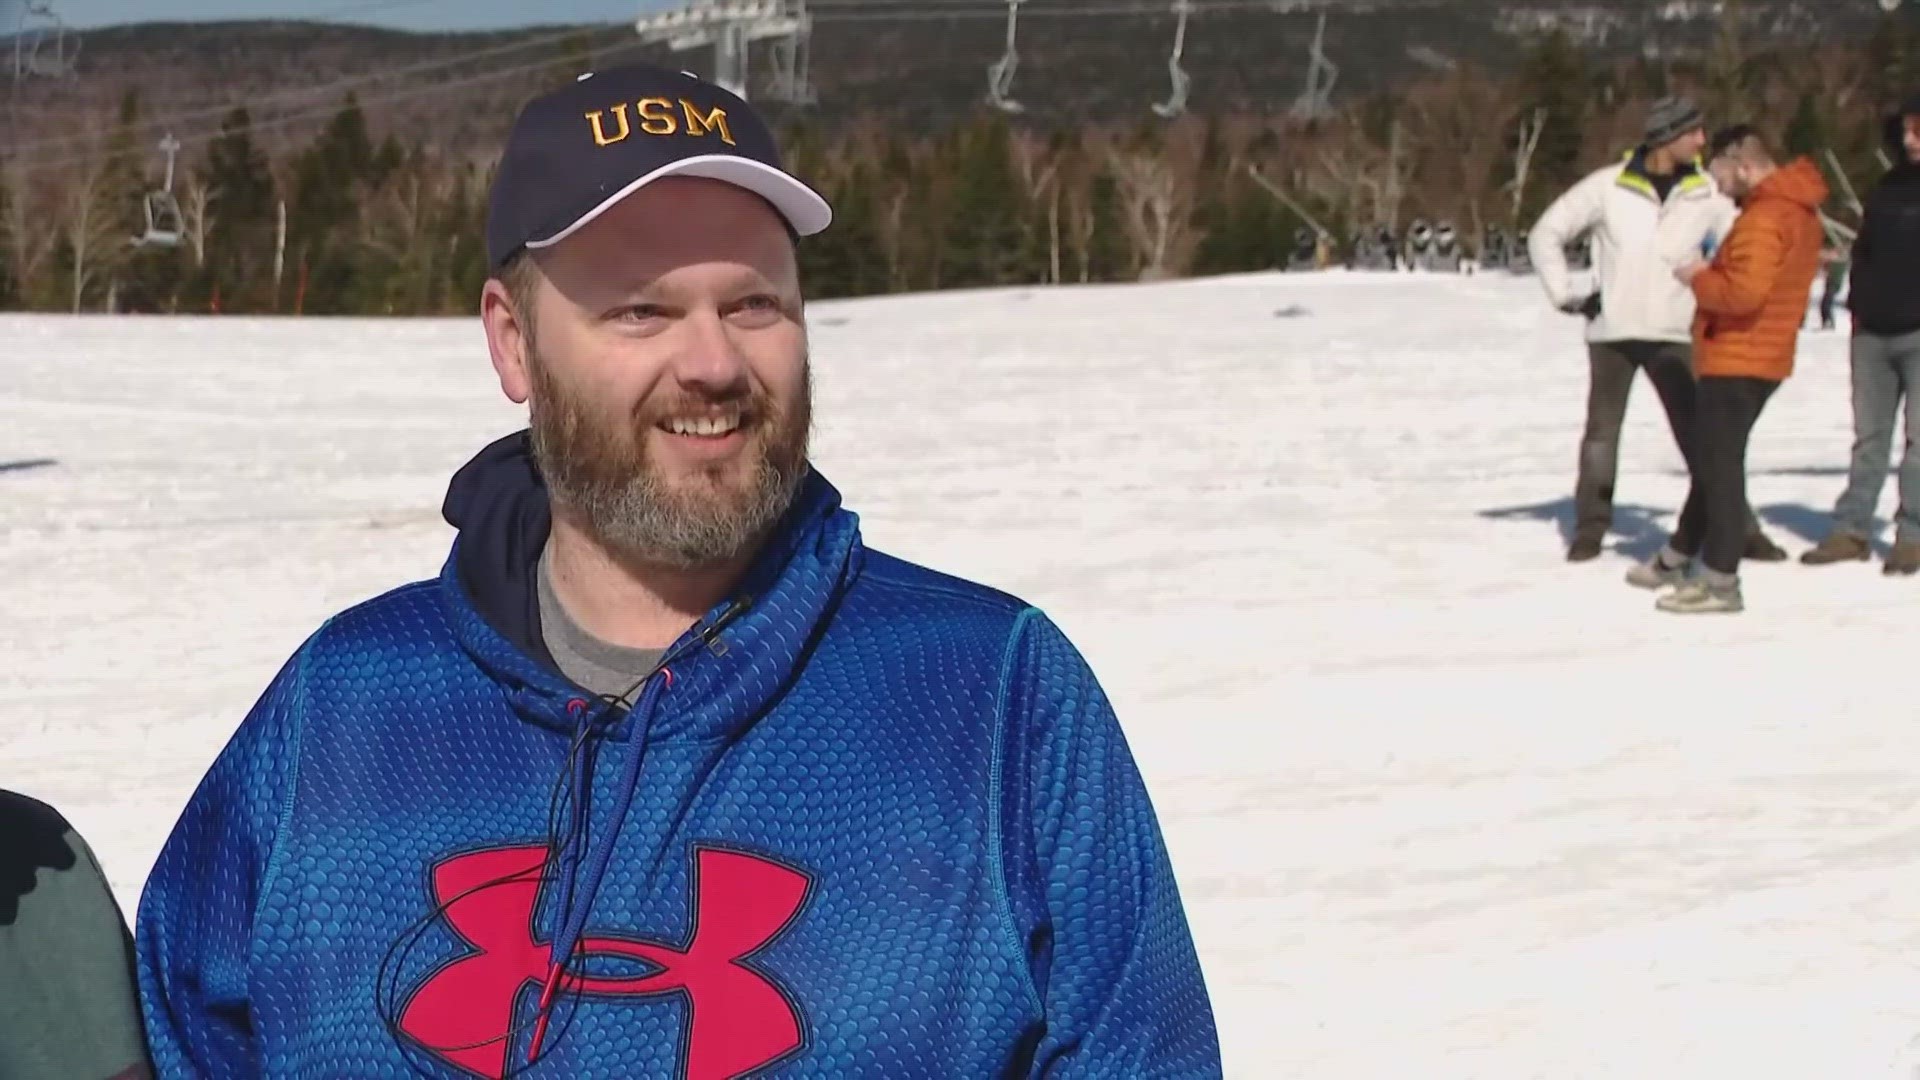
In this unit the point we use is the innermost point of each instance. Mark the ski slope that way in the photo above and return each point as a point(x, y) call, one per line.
point(1441, 804)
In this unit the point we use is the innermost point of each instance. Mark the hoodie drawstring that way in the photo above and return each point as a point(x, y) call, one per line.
point(574, 907)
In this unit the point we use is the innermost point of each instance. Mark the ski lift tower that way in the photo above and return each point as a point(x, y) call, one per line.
point(42, 44)
point(731, 27)
point(1316, 101)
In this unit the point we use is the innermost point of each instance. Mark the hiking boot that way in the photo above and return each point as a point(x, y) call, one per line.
point(1761, 548)
point(1903, 559)
point(1585, 546)
point(1656, 574)
point(1838, 547)
point(1700, 597)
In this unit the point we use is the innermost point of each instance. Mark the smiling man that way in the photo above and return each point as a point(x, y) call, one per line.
point(667, 774)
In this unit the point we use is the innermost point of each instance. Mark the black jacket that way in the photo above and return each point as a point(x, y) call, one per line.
point(1886, 257)
point(67, 999)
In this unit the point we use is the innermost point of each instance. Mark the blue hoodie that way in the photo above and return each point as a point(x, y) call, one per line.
point(868, 821)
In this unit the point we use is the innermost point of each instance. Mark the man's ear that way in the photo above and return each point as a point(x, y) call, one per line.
point(508, 340)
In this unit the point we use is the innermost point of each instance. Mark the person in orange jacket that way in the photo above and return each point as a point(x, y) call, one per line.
point(1750, 303)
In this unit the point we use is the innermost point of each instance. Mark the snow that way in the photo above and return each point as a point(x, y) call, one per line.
point(1441, 804)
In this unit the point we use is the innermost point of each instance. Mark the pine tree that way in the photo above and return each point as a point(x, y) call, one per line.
point(1553, 78)
point(238, 275)
point(332, 179)
point(986, 240)
point(9, 288)
point(1893, 59)
point(847, 259)
point(462, 228)
point(1807, 131)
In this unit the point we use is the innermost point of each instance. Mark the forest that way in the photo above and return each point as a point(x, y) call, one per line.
point(370, 217)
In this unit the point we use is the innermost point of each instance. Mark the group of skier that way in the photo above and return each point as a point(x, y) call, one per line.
point(1437, 247)
point(1705, 251)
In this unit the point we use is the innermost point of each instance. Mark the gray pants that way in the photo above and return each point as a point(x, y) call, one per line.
point(1886, 369)
point(1611, 368)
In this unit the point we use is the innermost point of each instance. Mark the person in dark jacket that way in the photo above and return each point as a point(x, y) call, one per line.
point(68, 1009)
point(1886, 358)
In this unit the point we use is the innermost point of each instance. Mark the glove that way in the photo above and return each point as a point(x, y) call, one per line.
point(1588, 305)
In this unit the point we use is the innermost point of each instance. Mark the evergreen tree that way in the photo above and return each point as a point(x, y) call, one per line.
point(462, 225)
point(332, 178)
point(1807, 131)
point(1553, 77)
point(1247, 230)
point(847, 259)
point(1893, 59)
point(238, 275)
point(985, 235)
point(9, 288)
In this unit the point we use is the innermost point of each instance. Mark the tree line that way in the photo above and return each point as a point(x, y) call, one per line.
point(359, 222)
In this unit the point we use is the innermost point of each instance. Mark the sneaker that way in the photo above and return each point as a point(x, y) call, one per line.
point(1654, 574)
point(1585, 547)
point(1838, 547)
point(1903, 559)
point(1702, 598)
point(1760, 548)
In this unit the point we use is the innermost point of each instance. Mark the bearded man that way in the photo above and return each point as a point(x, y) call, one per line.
point(667, 774)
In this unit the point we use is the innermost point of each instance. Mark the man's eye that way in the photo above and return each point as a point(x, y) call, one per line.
point(758, 308)
point(641, 313)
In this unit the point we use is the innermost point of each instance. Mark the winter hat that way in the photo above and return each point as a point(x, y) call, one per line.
point(1670, 118)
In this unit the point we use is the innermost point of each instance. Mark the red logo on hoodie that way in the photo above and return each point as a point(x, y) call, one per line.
point(738, 1018)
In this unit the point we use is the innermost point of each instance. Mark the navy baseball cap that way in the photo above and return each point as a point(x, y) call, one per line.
point(575, 153)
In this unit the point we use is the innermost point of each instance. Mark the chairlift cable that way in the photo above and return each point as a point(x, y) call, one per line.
point(329, 88)
point(209, 134)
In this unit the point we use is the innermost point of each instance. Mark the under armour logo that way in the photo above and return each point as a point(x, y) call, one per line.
point(740, 1018)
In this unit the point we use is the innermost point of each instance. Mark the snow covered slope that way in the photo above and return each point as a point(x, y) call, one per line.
point(1441, 804)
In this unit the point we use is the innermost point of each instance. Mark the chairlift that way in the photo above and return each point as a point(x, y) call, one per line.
point(1000, 75)
point(165, 223)
point(41, 45)
point(1176, 102)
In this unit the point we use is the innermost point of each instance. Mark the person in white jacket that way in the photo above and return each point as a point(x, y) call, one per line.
point(1653, 211)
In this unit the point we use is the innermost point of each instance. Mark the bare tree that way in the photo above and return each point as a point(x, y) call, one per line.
point(32, 233)
point(396, 229)
point(1367, 183)
point(1523, 149)
point(1157, 205)
point(197, 209)
point(1038, 167)
point(1460, 122)
point(95, 234)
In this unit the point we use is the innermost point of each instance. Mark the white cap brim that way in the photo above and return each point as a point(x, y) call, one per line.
point(802, 206)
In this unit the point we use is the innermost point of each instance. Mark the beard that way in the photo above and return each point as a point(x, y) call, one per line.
point(712, 514)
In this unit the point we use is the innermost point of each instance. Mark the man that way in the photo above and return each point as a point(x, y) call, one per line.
point(1752, 300)
point(1886, 359)
point(67, 1008)
point(667, 775)
point(1647, 214)
point(1833, 260)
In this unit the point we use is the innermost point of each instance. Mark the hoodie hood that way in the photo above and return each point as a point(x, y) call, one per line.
point(1894, 132)
point(1798, 182)
point(498, 502)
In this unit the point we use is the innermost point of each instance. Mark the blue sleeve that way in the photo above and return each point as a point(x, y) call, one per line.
point(196, 913)
point(1091, 884)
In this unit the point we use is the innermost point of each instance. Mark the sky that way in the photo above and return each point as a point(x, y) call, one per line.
point(401, 14)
